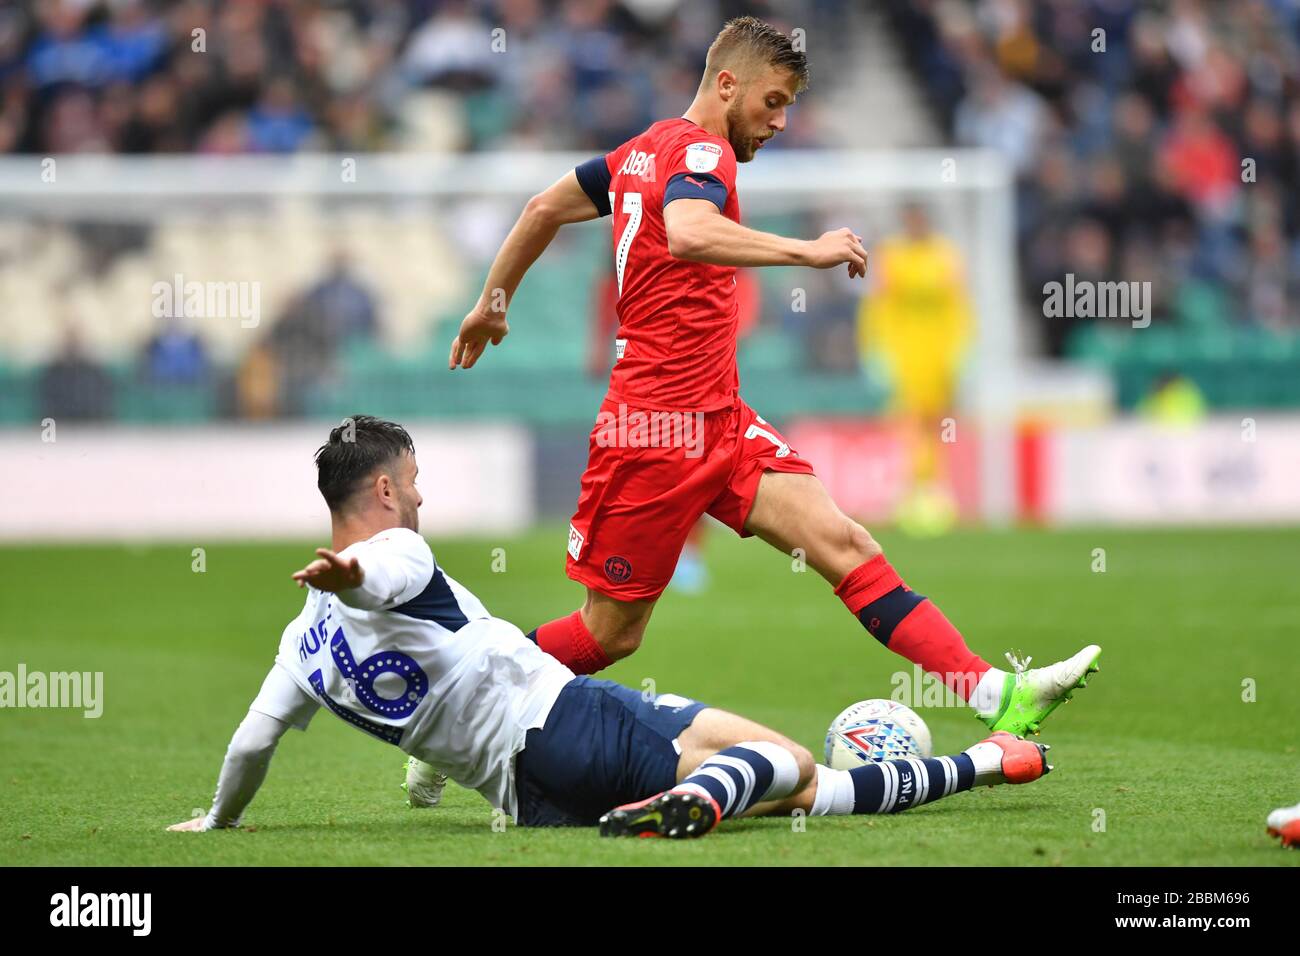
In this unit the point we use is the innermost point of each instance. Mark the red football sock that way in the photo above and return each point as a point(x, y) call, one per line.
point(910, 625)
point(569, 642)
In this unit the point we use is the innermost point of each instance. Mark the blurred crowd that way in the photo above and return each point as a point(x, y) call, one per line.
point(337, 311)
point(280, 76)
point(271, 76)
point(1151, 141)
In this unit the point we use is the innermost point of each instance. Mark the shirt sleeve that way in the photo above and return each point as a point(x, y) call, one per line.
point(397, 566)
point(244, 769)
point(281, 698)
point(593, 177)
point(701, 167)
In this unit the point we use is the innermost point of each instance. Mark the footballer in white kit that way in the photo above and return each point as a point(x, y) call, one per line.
point(392, 645)
point(413, 658)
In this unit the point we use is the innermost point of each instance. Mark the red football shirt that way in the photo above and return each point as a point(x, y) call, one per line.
point(676, 342)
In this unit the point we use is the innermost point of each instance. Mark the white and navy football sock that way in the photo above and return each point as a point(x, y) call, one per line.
point(891, 786)
point(743, 775)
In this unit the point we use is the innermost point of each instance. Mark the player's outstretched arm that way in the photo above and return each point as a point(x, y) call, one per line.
point(329, 572)
point(247, 759)
point(385, 571)
point(560, 204)
point(698, 232)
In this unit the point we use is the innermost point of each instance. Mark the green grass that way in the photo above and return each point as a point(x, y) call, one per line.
point(1161, 740)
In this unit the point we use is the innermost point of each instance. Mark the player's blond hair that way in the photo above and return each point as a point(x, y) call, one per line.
point(747, 43)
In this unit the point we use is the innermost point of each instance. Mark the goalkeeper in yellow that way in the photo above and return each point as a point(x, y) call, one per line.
point(913, 331)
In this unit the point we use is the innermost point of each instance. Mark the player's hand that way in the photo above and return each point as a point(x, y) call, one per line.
point(839, 245)
point(329, 572)
point(478, 329)
point(189, 826)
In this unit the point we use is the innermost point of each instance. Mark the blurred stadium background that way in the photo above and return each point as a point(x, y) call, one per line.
point(348, 168)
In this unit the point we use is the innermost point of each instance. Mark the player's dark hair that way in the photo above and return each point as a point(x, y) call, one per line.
point(356, 447)
point(743, 38)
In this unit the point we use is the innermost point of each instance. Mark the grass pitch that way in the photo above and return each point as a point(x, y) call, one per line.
point(1159, 761)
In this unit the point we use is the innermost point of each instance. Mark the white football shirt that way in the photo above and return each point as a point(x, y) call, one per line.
point(413, 658)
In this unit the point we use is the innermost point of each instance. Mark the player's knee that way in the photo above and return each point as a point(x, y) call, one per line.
point(861, 543)
point(617, 626)
point(620, 641)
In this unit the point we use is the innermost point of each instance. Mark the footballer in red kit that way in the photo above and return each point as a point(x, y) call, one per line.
point(676, 344)
point(675, 353)
point(673, 439)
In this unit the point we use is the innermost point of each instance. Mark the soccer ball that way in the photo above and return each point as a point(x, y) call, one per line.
point(874, 730)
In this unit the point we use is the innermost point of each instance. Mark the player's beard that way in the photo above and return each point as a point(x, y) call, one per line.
point(410, 515)
point(742, 143)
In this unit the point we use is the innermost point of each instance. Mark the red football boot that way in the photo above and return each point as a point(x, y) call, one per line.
point(1285, 823)
point(676, 814)
point(1023, 761)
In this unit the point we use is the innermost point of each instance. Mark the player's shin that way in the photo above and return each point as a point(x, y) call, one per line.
point(892, 786)
point(910, 625)
point(568, 640)
point(742, 776)
point(726, 784)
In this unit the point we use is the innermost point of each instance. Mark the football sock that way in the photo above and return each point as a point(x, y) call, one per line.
point(743, 775)
point(893, 785)
point(987, 758)
point(987, 699)
point(909, 624)
point(569, 642)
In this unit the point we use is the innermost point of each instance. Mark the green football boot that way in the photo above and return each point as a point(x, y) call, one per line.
point(1030, 696)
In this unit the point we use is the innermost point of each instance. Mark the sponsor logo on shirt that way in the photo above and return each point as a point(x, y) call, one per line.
point(639, 164)
point(575, 543)
point(702, 157)
point(620, 346)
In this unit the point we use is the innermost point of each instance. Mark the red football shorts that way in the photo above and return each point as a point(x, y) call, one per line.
point(651, 476)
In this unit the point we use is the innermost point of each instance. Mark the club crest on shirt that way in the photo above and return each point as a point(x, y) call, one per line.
point(702, 157)
point(618, 569)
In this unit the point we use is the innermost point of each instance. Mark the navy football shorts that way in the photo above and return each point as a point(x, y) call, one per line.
point(602, 745)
